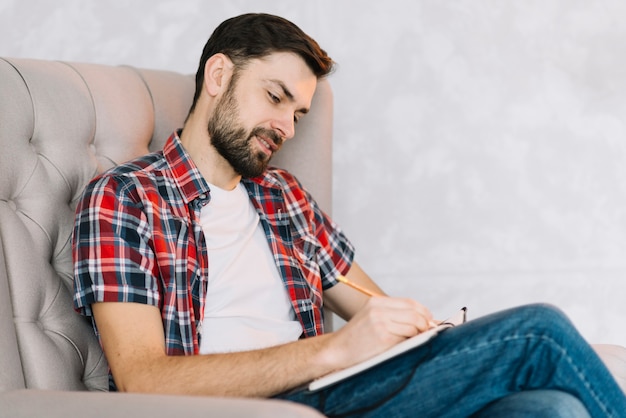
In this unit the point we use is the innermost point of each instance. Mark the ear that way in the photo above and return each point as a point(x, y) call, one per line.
point(217, 72)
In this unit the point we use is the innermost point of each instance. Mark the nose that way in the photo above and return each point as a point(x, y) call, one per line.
point(285, 125)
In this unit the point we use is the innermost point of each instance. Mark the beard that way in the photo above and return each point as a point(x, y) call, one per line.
point(233, 142)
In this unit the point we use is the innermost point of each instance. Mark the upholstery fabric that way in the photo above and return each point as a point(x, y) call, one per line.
point(614, 356)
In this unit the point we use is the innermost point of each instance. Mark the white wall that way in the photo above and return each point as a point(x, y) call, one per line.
point(480, 145)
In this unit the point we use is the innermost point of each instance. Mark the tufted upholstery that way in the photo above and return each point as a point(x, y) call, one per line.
point(61, 124)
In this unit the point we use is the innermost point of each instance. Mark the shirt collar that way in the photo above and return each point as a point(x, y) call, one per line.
point(184, 171)
point(188, 177)
point(267, 179)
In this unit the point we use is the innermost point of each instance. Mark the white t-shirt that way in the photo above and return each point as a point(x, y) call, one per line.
point(247, 306)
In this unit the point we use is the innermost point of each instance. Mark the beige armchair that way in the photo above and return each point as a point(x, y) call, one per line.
point(61, 124)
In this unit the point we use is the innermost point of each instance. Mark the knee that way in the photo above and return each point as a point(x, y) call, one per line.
point(543, 310)
point(540, 315)
point(542, 323)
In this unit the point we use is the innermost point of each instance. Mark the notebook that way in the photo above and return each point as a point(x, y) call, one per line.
point(397, 349)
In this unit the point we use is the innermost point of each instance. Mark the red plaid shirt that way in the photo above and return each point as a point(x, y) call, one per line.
point(138, 238)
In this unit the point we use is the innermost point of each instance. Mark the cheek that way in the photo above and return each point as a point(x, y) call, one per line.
point(254, 112)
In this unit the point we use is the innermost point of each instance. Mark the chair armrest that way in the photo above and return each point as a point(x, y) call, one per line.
point(63, 404)
point(614, 356)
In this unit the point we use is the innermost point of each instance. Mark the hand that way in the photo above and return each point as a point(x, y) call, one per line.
point(380, 324)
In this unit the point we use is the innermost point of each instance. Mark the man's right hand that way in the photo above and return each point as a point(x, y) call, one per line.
point(382, 323)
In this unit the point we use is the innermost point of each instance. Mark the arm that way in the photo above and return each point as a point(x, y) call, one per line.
point(133, 340)
point(345, 301)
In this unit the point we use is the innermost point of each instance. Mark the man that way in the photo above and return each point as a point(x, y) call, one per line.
point(172, 262)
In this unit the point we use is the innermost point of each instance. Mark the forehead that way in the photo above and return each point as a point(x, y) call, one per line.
point(288, 69)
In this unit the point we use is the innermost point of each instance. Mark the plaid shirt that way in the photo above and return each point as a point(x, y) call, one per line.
point(138, 238)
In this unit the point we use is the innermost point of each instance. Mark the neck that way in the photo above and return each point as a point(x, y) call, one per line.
point(213, 167)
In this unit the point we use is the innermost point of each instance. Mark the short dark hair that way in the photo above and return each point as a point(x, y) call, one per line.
point(256, 35)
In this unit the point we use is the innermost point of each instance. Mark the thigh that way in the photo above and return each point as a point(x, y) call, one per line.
point(536, 404)
point(469, 367)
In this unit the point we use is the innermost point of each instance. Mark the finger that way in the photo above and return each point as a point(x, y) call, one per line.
point(403, 330)
point(402, 311)
point(411, 319)
point(423, 324)
point(399, 303)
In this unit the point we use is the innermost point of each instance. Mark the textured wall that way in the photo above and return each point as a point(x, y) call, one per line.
point(480, 147)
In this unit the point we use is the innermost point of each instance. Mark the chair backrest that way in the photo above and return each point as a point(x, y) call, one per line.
point(60, 125)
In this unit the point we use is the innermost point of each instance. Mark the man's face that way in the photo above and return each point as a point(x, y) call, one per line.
point(259, 109)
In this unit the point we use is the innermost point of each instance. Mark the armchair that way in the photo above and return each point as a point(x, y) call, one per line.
point(61, 124)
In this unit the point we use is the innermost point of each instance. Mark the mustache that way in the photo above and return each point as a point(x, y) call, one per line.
point(269, 134)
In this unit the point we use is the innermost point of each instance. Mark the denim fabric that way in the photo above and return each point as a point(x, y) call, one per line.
point(481, 367)
point(536, 403)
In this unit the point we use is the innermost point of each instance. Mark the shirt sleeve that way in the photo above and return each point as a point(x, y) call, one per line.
point(334, 251)
point(113, 258)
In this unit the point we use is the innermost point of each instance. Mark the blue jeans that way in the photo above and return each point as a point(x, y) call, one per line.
point(523, 362)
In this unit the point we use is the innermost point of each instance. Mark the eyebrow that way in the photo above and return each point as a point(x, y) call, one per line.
point(288, 94)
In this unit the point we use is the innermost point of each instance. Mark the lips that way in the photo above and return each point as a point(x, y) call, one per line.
point(269, 140)
point(267, 143)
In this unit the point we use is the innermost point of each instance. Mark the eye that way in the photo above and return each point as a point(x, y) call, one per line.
point(273, 97)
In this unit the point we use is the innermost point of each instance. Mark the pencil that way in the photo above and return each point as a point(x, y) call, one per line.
point(368, 292)
point(361, 289)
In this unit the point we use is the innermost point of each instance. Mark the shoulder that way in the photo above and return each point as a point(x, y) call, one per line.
point(146, 166)
point(124, 179)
